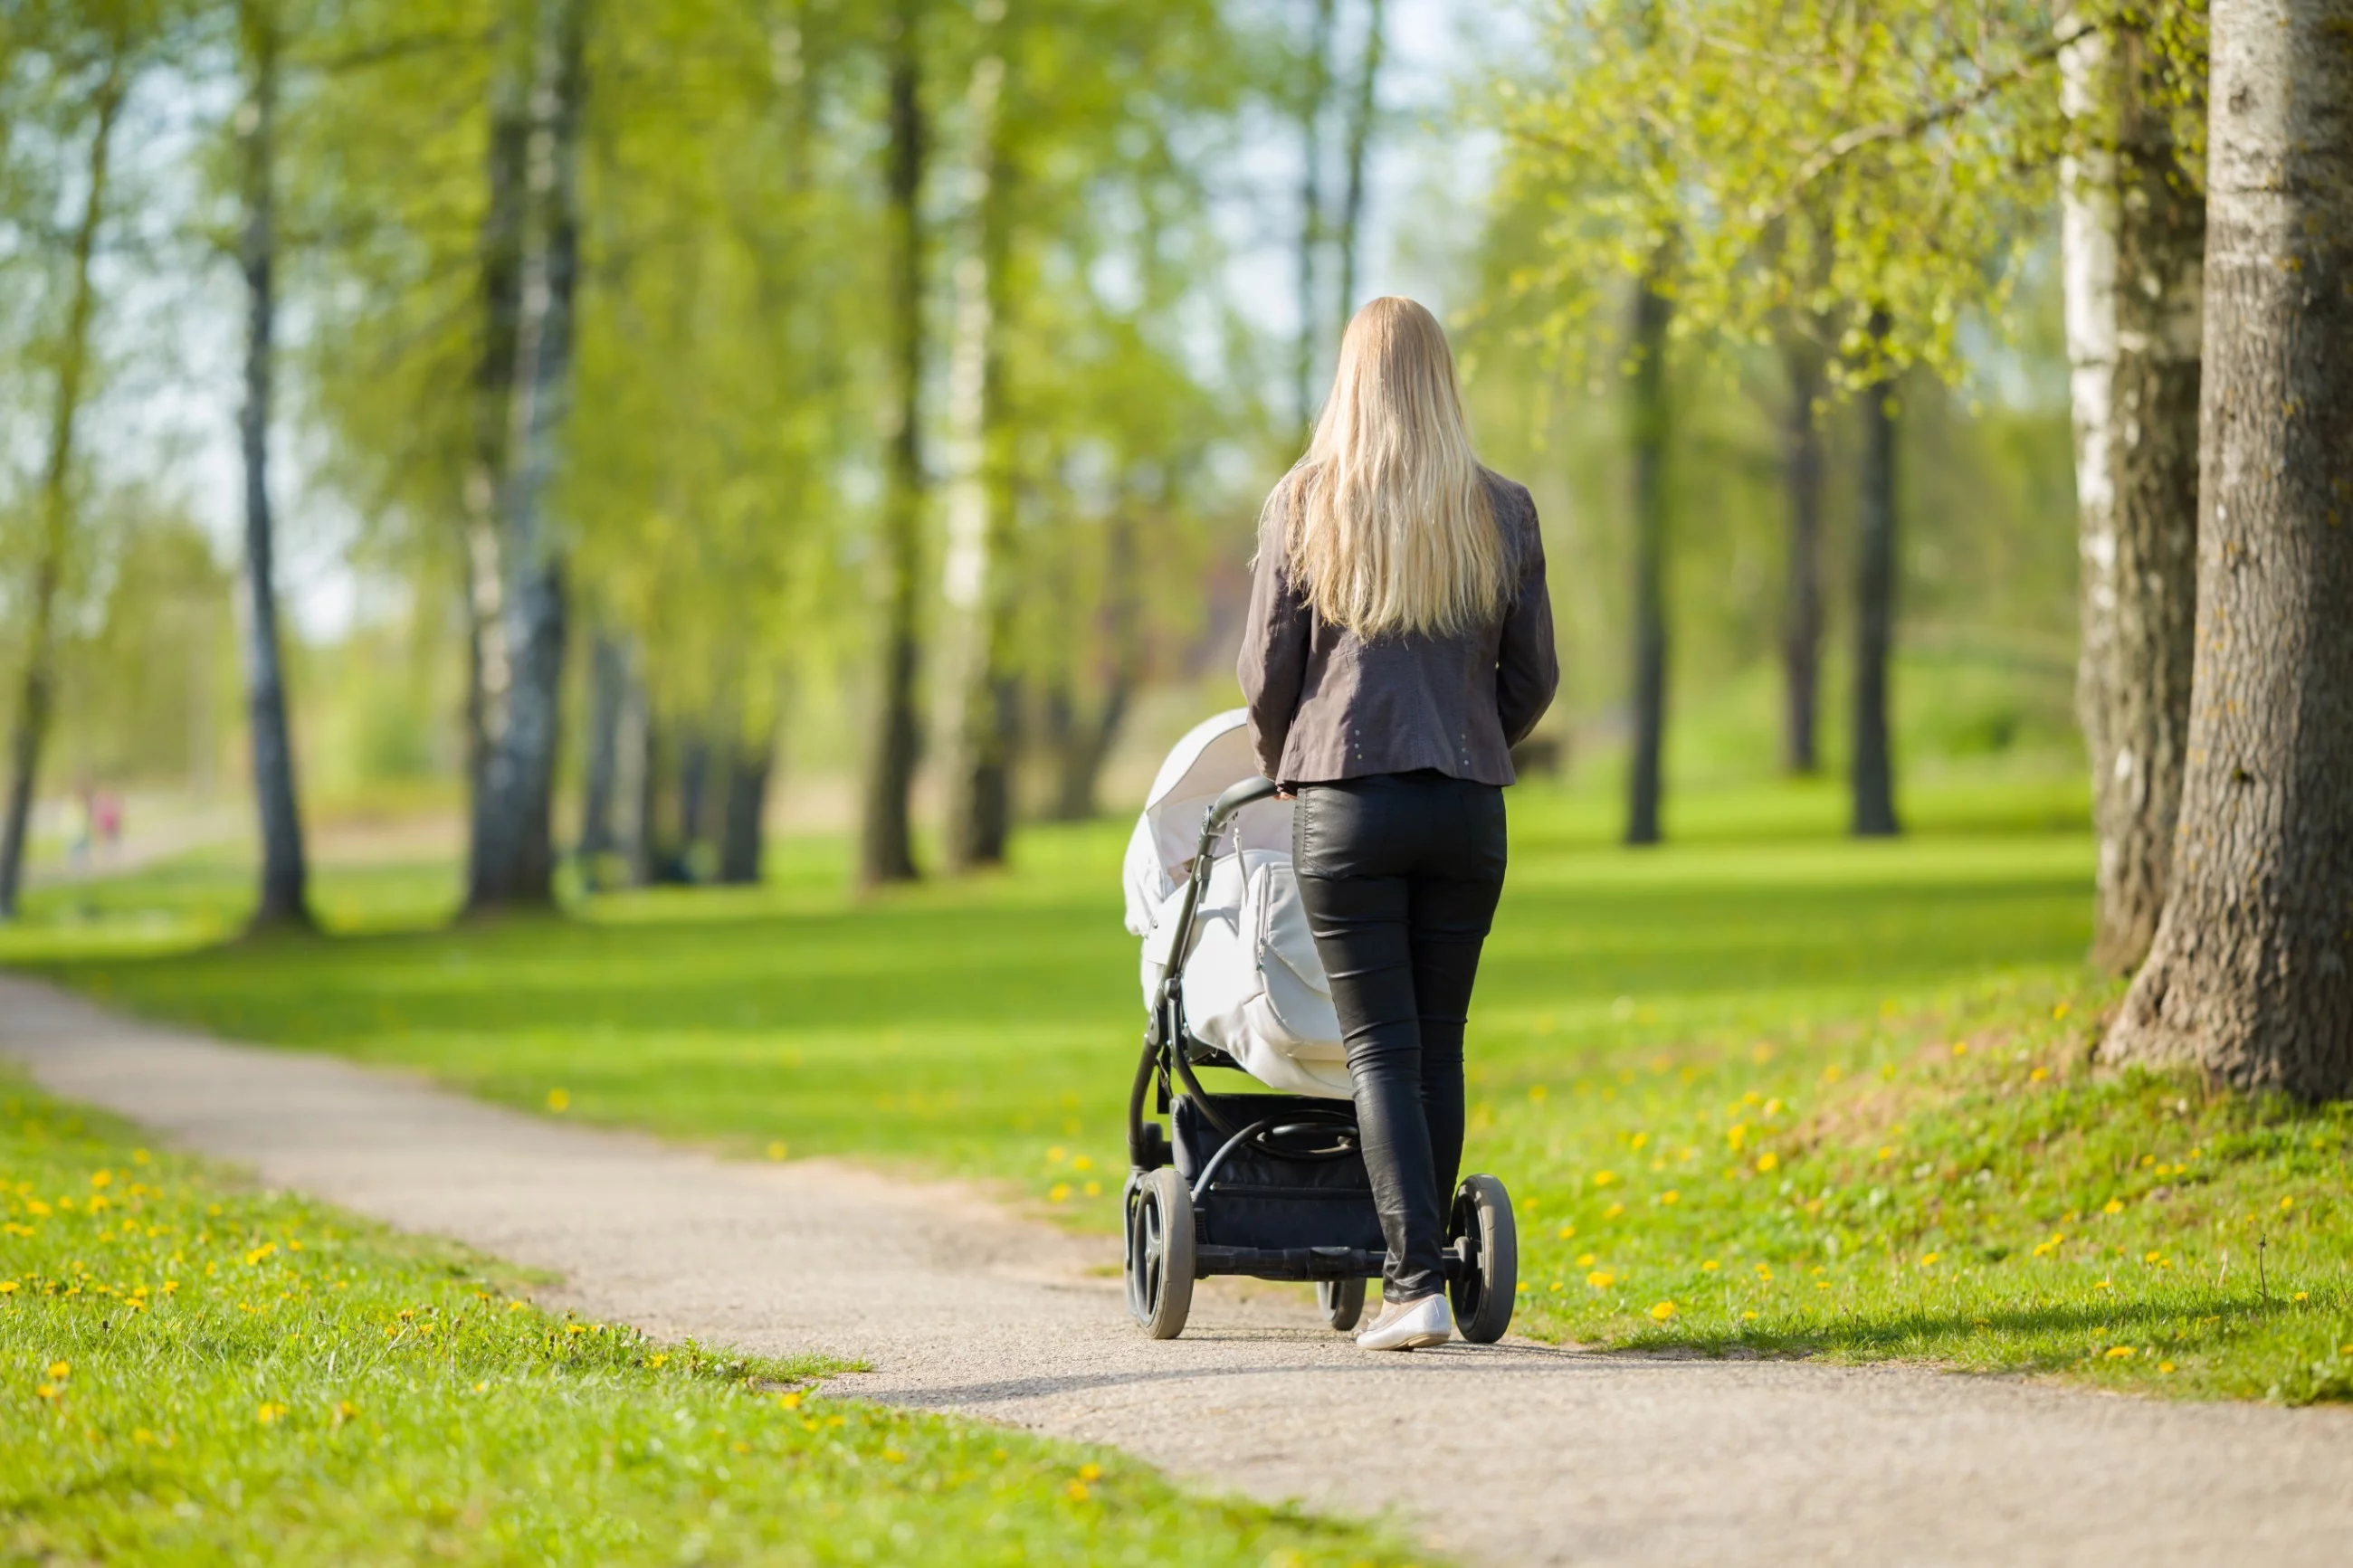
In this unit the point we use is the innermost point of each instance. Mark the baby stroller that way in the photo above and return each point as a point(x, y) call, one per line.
point(1268, 1185)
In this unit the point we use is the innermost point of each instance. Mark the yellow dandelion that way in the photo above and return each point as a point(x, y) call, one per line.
point(1929, 1259)
point(1709, 1267)
point(1886, 1151)
point(7, 1287)
point(660, 1358)
point(1586, 1260)
point(2299, 1296)
point(778, 1150)
point(2105, 1285)
point(1765, 1272)
point(559, 1100)
point(1057, 1154)
point(789, 1401)
point(60, 1370)
point(2287, 1203)
point(1748, 1317)
point(1076, 1491)
point(2037, 1075)
point(2120, 1352)
point(2165, 1366)
point(2114, 1206)
point(576, 1327)
point(1601, 1279)
point(1613, 1211)
point(1090, 1472)
point(1767, 1161)
point(1564, 1232)
point(102, 1179)
point(1661, 1311)
point(1669, 1195)
point(1059, 1192)
point(269, 1413)
point(1603, 1178)
point(1083, 1164)
point(1092, 1189)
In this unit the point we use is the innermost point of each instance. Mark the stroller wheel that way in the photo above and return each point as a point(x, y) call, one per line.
point(1343, 1301)
point(1159, 1251)
point(1489, 1239)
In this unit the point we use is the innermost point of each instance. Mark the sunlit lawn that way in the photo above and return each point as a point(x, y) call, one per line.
point(1764, 1089)
point(193, 1372)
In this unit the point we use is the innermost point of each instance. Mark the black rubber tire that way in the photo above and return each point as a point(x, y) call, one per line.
point(1159, 1251)
point(1483, 1294)
point(1343, 1301)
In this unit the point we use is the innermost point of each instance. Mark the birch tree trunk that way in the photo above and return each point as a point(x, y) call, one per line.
point(979, 514)
point(1361, 115)
point(2248, 978)
point(886, 850)
point(1648, 422)
point(514, 858)
point(1801, 612)
point(490, 675)
point(2133, 233)
point(1871, 776)
point(38, 696)
point(284, 899)
point(1318, 87)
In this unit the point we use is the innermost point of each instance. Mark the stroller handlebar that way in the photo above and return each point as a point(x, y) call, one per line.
point(1221, 811)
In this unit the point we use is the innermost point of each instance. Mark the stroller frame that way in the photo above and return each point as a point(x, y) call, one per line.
point(1248, 1181)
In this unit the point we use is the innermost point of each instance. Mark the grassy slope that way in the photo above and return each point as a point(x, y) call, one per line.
point(1723, 1077)
point(193, 1371)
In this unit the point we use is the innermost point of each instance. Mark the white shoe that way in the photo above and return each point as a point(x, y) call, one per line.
point(1412, 1326)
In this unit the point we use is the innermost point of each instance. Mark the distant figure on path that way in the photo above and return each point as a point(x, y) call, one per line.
point(1400, 643)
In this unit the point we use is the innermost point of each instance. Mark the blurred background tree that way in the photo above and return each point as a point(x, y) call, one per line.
point(707, 416)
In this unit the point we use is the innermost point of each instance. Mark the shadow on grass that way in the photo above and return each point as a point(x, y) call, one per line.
point(1881, 1336)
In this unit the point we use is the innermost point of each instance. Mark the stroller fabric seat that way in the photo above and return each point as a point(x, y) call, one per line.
point(1253, 986)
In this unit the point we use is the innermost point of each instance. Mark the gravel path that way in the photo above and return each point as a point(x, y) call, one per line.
point(1517, 1453)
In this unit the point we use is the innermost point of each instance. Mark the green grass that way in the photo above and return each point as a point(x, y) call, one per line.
point(1735, 1051)
point(194, 1372)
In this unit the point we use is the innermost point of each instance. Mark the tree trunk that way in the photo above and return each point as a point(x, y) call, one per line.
point(284, 899)
point(1648, 432)
point(1361, 115)
point(693, 787)
point(1318, 87)
point(515, 859)
point(1801, 611)
point(2132, 229)
point(743, 838)
point(40, 693)
point(609, 700)
point(1872, 769)
point(489, 667)
point(2248, 977)
point(886, 849)
point(979, 512)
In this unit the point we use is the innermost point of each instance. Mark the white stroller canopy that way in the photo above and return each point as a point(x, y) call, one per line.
point(1214, 755)
point(1252, 985)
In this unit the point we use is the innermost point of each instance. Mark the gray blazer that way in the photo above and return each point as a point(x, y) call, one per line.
point(1324, 704)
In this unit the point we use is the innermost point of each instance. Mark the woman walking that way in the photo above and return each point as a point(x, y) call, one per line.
point(1400, 644)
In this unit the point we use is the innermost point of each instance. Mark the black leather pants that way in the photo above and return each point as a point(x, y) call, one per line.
point(1399, 874)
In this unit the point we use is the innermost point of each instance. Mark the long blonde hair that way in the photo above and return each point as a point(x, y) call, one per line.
point(1390, 528)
